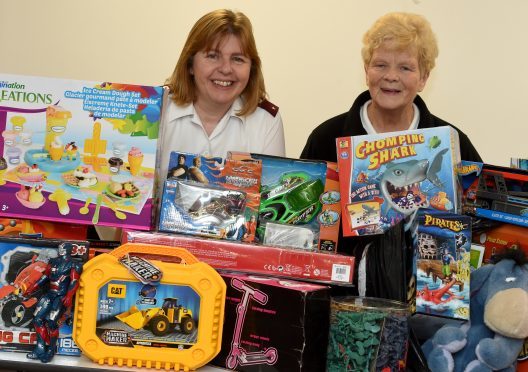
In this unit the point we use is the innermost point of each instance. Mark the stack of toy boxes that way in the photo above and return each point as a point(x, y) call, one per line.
point(77, 151)
point(386, 177)
point(299, 204)
point(274, 325)
point(22, 263)
point(207, 197)
point(493, 192)
point(442, 243)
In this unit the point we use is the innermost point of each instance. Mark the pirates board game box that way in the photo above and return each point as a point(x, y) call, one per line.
point(24, 265)
point(386, 177)
point(442, 243)
point(78, 151)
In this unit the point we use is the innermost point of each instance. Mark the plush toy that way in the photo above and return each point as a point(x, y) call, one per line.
point(494, 336)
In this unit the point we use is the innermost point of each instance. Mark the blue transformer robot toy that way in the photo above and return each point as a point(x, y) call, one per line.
point(62, 277)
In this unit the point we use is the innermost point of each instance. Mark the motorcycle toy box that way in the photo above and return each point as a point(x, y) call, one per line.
point(386, 177)
point(23, 263)
point(149, 306)
point(274, 325)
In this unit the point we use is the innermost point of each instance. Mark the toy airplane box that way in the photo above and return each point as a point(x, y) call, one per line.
point(78, 151)
point(274, 325)
point(211, 197)
point(496, 193)
point(22, 263)
point(386, 177)
point(299, 202)
point(442, 243)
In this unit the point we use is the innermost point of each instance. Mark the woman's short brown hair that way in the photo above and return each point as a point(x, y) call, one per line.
point(407, 30)
point(211, 29)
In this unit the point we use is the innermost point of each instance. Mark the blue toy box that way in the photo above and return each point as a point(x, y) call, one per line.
point(496, 193)
point(211, 197)
point(22, 262)
point(442, 242)
point(386, 177)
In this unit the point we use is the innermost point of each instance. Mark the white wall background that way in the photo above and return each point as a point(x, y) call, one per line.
point(310, 52)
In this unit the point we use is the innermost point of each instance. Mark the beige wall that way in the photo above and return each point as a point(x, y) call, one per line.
point(310, 52)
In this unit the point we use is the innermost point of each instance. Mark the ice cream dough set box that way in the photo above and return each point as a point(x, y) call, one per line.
point(77, 151)
point(386, 177)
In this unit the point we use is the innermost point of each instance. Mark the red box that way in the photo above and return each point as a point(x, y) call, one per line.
point(257, 259)
point(496, 239)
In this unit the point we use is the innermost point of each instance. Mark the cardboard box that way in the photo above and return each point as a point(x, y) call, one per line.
point(257, 259)
point(211, 197)
point(274, 325)
point(442, 243)
point(16, 255)
point(65, 146)
point(496, 193)
point(299, 204)
point(41, 229)
point(499, 238)
point(386, 177)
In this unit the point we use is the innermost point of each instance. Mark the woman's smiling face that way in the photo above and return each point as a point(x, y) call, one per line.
point(221, 74)
point(394, 77)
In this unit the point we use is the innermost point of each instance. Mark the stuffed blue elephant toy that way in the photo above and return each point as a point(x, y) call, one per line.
point(494, 336)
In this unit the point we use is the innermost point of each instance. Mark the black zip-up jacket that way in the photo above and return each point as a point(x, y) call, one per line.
point(321, 142)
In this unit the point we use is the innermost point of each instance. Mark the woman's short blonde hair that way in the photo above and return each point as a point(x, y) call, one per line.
point(206, 34)
point(407, 30)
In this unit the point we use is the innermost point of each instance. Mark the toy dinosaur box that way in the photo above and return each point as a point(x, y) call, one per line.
point(442, 243)
point(23, 262)
point(211, 197)
point(77, 151)
point(274, 325)
point(386, 177)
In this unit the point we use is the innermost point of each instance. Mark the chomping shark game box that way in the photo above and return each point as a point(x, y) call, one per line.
point(386, 177)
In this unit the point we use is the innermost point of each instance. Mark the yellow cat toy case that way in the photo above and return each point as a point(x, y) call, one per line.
point(172, 323)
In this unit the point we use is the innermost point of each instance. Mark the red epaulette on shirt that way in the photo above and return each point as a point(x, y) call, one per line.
point(269, 107)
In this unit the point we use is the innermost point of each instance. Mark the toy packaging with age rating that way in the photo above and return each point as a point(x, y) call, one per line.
point(23, 263)
point(77, 151)
point(386, 177)
point(149, 306)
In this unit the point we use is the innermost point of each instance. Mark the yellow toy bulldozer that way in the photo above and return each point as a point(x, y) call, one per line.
point(160, 320)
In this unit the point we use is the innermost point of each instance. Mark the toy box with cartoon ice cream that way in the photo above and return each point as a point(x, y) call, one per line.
point(386, 177)
point(78, 151)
